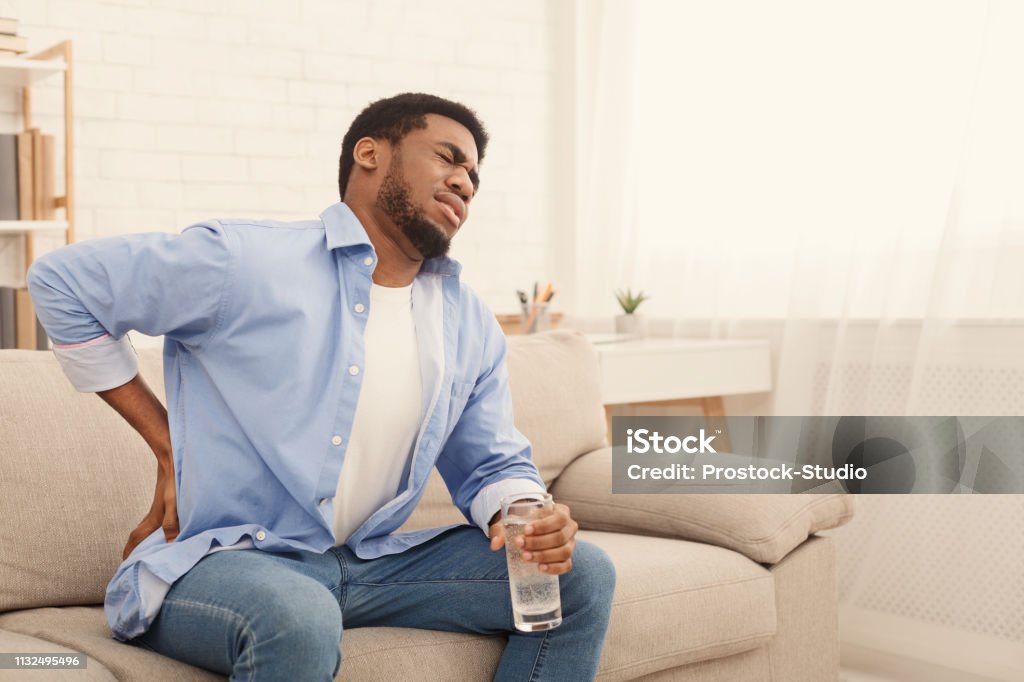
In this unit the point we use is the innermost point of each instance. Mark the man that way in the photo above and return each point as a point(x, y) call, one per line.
point(316, 372)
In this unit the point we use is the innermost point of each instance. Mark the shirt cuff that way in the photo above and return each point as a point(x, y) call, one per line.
point(100, 364)
point(488, 501)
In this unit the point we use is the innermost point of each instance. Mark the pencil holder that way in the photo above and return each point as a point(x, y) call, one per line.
point(538, 320)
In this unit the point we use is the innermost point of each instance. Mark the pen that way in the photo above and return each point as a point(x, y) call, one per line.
point(544, 295)
point(522, 302)
point(538, 301)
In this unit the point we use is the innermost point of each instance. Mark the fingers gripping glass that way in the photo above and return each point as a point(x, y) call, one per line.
point(536, 602)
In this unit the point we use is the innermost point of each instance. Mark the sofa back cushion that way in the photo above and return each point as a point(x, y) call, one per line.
point(75, 478)
point(556, 398)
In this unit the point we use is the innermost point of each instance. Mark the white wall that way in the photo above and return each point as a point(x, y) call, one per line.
point(194, 109)
point(191, 109)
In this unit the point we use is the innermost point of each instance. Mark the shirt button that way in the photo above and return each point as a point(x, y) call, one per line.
point(353, 370)
point(336, 440)
point(260, 535)
point(323, 501)
point(368, 261)
point(360, 307)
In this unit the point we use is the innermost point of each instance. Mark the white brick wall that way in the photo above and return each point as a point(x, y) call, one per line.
point(187, 109)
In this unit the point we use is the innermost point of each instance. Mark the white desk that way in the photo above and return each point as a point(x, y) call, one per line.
point(695, 372)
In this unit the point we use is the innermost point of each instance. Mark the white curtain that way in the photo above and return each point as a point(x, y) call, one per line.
point(846, 179)
point(766, 160)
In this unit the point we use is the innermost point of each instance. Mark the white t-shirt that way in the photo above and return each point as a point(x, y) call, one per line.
point(388, 414)
point(386, 422)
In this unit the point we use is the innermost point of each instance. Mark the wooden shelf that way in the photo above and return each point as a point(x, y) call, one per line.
point(22, 227)
point(19, 72)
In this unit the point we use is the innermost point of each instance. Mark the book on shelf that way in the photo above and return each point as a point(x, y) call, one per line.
point(35, 175)
point(7, 318)
point(8, 26)
point(9, 177)
point(14, 44)
point(47, 175)
point(26, 196)
point(19, 326)
point(25, 322)
point(42, 340)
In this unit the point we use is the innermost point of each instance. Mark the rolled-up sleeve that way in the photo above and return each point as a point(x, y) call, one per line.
point(89, 295)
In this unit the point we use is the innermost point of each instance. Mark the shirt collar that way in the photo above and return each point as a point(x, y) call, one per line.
point(441, 266)
point(344, 229)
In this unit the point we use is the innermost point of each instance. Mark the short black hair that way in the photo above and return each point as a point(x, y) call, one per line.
point(395, 117)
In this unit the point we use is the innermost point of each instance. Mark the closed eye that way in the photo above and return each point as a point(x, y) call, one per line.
point(455, 156)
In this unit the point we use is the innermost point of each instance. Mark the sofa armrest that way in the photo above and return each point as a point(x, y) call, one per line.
point(763, 527)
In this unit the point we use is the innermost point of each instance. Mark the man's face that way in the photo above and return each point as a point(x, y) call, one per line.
point(430, 183)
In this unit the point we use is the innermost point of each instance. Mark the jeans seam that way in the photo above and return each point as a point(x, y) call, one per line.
point(239, 618)
point(252, 654)
point(343, 567)
point(541, 653)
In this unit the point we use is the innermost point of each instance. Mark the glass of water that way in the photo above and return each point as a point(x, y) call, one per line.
point(536, 602)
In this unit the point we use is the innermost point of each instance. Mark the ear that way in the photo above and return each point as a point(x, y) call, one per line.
point(368, 154)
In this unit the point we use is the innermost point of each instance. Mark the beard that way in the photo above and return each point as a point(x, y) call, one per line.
point(427, 236)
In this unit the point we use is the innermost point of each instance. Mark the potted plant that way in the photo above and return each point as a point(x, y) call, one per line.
point(630, 322)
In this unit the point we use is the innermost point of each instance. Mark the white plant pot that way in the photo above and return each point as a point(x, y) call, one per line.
point(629, 324)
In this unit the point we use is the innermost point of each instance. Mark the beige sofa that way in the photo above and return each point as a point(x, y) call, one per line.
point(710, 587)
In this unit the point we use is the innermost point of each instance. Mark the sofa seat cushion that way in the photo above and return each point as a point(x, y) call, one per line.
point(678, 602)
point(15, 642)
point(437, 656)
point(84, 629)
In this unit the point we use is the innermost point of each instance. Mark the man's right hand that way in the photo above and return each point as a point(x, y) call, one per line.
point(162, 514)
point(140, 408)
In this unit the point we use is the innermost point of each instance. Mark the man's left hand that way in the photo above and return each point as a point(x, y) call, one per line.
point(548, 541)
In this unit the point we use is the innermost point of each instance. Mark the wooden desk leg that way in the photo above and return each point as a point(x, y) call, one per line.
point(712, 407)
point(715, 409)
point(608, 420)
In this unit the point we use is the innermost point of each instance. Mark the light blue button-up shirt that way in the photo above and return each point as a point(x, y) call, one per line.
point(263, 344)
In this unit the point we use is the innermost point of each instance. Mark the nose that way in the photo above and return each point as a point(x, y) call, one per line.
point(460, 183)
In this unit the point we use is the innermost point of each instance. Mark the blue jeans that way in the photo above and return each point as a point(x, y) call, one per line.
point(254, 615)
